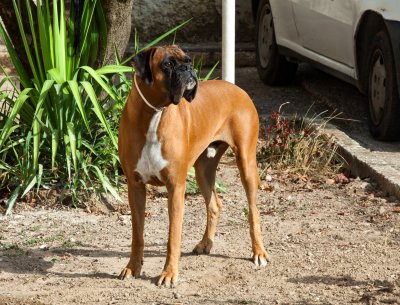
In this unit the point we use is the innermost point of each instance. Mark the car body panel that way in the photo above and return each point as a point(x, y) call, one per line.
point(284, 21)
point(388, 9)
point(321, 24)
point(324, 31)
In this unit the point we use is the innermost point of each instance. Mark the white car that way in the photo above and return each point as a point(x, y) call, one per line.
point(355, 40)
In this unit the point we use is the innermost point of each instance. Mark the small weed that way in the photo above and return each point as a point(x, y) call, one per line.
point(232, 222)
point(243, 302)
point(35, 228)
point(15, 250)
point(55, 260)
point(192, 188)
point(298, 146)
point(70, 243)
point(191, 185)
point(32, 242)
point(245, 212)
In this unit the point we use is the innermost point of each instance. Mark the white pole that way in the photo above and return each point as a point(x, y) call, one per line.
point(228, 40)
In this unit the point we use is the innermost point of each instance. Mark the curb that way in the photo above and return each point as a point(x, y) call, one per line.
point(363, 163)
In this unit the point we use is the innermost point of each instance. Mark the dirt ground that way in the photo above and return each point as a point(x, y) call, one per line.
point(330, 243)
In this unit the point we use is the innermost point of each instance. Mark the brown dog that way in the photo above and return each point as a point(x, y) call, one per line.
point(170, 123)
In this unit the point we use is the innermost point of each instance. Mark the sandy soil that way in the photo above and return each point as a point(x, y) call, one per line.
point(330, 243)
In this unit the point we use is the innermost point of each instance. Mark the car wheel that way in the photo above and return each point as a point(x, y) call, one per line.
point(272, 67)
point(383, 94)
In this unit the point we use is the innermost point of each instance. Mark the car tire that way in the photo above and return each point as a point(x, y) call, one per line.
point(273, 68)
point(383, 93)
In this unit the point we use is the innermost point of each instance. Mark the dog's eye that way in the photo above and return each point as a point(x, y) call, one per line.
point(168, 64)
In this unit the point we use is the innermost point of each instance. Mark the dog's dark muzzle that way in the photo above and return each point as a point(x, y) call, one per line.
point(191, 88)
point(186, 85)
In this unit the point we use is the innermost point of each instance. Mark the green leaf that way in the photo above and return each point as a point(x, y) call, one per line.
point(78, 99)
point(106, 184)
point(6, 131)
point(28, 53)
point(30, 186)
point(166, 34)
point(35, 44)
point(87, 17)
point(100, 81)
point(39, 176)
point(113, 69)
point(157, 40)
point(36, 139)
point(55, 138)
point(99, 111)
point(72, 143)
point(11, 201)
point(45, 36)
point(56, 75)
point(23, 75)
point(210, 72)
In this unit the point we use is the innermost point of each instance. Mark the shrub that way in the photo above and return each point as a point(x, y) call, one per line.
point(56, 132)
point(298, 146)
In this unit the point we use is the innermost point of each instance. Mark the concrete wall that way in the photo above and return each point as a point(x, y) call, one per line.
point(152, 18)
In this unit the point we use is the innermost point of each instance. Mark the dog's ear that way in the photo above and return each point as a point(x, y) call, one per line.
point(141, 63)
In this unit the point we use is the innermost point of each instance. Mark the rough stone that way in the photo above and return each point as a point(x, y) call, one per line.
point(152, 18)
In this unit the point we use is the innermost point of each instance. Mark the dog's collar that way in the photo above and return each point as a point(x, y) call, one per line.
point(144, 99)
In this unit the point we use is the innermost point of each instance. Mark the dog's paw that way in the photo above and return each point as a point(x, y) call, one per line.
point(203, 247)
point(260, 258)
point(128, 272)
point(168, 278)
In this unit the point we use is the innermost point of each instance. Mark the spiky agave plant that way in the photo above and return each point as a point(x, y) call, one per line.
point(56, 131)
point(58, 110)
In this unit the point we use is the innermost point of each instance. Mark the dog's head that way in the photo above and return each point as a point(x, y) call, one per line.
point(167, 68)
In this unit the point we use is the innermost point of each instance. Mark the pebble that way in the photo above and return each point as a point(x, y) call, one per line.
point(176, 295)
point(44, 247)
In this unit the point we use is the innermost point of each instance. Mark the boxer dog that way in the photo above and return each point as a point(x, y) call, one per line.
point(170, 123)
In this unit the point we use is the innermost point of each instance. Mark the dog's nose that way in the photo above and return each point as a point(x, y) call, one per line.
point(184, 67)
point(191, 83)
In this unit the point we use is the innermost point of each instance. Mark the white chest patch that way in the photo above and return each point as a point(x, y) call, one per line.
point(151, 161)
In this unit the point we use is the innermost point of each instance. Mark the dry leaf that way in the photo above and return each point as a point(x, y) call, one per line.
point(341, 178)
point(396, 210)
point(265, 187)
point(329, 181)
point(268, 212)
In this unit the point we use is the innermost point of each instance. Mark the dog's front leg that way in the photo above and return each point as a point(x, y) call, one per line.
point(176, 197)
point(137, 203)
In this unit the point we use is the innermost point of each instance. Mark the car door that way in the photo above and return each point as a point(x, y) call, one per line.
point(326, 27)
point(284, 23)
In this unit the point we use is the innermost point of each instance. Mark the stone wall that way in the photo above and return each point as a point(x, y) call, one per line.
point(152, 18)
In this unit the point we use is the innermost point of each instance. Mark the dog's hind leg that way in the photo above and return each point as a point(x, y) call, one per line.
point(206, 168)
point(247, 163)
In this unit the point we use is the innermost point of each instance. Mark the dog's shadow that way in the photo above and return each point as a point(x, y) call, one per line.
point(38, 261)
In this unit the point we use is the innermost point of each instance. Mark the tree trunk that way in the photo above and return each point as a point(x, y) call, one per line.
point(119, 16)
